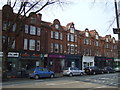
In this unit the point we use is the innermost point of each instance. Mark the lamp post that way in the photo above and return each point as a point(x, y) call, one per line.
point(117, 30)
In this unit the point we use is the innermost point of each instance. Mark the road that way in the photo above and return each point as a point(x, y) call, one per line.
point(87, 81)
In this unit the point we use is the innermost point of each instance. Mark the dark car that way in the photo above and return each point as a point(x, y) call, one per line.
point(40, 72)
point(93, 70)
point(108, 69)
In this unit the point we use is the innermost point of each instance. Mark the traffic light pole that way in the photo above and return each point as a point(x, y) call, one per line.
point(117, 20)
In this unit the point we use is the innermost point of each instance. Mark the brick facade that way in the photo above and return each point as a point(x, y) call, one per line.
point(48, 38)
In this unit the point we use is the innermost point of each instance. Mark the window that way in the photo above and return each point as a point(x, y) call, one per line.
point(38, 45)
point(72, 49)
point(107, 46)
point(26, 28)
point(68, 37)
point(3, 39)
point(56, 35)
point(56, 48)
point(14, 27)
point(56, 26)
point(60, 36)
point(32, 30)
point(33, 20)
point(61, 48)
point(38, 31)
point(51, 47)
point(51, 34)
point(32, 45)
point(96, 36)
point(4, 25)
point(25, 44)
point(86, 34)
point(106, 39)
point(75, 38)
point(96, 43)
point(72, 38)
point(13, 45)
point(72, 30)
point(86, 41)
point(113, 41)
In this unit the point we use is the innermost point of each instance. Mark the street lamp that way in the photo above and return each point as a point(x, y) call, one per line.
point(117, 30)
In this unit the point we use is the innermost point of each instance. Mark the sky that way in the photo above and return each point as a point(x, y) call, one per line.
point(84, 14)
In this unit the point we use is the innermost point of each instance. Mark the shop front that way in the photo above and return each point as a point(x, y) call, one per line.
point(29, 60)
point(55, 62)
point(109, 61)
point(74, 61)
point(100, 61)
point(87, 61)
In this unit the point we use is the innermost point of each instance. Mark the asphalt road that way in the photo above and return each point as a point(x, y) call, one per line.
point(87, 81)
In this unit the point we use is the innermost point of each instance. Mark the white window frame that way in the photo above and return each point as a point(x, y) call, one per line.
point(72, 30)
point(32, 44)
point(26, 28)
point(56, 47)
point(32, 30)
point(14, 27)
point(61, 48)
point(13, 45)
point(86, 34)
point(61, 36)
point(52, 33)
point(38, 31)
point(25, 44)
point(56, 35)
point(51, 47)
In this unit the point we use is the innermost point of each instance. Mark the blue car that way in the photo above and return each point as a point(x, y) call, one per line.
point(40, 72)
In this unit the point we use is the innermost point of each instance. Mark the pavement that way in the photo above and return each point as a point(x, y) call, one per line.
point(14, 79)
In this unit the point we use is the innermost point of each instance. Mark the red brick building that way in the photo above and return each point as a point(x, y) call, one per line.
point(55, 46)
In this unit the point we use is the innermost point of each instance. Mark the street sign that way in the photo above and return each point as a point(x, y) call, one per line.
point(116, 31)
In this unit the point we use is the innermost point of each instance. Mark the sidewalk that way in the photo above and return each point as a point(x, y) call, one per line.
point(57, 75)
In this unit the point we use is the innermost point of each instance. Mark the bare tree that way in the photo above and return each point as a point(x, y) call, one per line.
point(23, 8)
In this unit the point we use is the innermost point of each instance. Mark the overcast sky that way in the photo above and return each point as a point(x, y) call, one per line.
point(84, 14)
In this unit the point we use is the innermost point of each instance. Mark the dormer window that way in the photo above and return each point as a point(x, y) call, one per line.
point(56, 26)
point(106, 39)
point(96, 36)
point(33, 20)
point(87, 34)
point(71, 30)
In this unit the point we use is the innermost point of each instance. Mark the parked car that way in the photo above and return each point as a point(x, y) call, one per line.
point(117, 69)
point(70, 71)
point(40, 72)
point(93, 70)
point(108, 69)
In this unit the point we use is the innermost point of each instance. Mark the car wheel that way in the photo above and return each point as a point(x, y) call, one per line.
point(52, 76)
point(70, 74)
point(94, 73)
point(81, 74)
point(102, 72)
point(36, 77)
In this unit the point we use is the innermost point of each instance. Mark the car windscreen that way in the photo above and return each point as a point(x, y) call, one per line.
point(65, 68)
